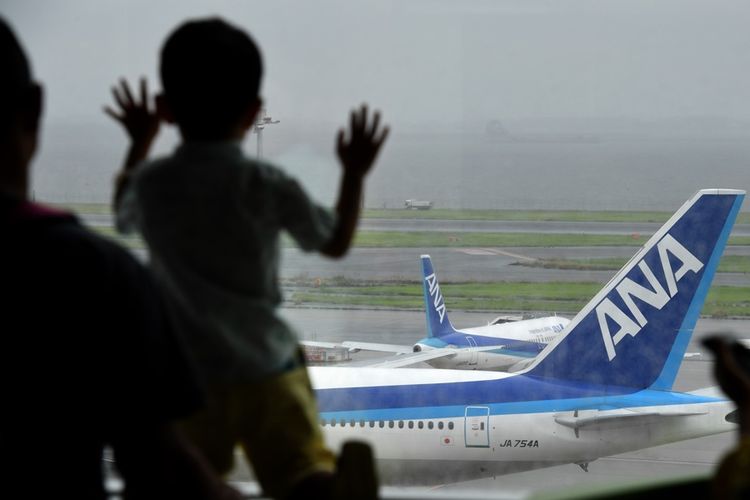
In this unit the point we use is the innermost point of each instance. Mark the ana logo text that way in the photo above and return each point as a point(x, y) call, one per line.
point(437, 297)
point(657, 297)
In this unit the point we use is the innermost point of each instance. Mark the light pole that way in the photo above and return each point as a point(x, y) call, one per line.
point(260, 124)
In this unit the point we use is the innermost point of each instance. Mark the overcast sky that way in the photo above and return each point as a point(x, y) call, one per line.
point(421, 61)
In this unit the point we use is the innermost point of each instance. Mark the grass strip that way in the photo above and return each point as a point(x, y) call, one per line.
point(518, 215)
point(411, 303)
point(562, 297)
point(426, 239)
point(469, 214)
point(131, 241)
point(557, 297)
point(530, 215)
point(504, 290)
point(86, 208)
point(729, 264)
point(388, 239)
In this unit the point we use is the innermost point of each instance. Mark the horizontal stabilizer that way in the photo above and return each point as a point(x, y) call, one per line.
point(371, 346)
point(619, 420)
point(359, 346)
point(709, 392)
point(401, 360)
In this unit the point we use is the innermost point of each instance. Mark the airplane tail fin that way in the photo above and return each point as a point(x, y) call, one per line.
point(635, 331)
point(438, 324)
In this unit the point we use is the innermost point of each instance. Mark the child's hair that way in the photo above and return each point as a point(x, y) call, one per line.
point(211, 73)
point(16, 76)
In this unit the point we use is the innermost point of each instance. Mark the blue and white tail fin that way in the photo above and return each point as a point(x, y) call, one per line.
point(438, 324)
point(634, 332)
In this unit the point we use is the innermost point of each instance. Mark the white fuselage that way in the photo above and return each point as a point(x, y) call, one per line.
point(454, 444)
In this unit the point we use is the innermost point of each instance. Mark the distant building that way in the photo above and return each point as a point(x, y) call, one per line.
point(325, 355)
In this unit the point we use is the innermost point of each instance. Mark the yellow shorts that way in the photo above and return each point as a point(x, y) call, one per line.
point(276, 423)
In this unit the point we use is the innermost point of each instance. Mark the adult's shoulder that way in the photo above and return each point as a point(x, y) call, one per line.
point(82, 265)
point(124, 298)
point(75, 243)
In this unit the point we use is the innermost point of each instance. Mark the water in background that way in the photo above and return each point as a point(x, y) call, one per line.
point(453, 170)
point(610, 174)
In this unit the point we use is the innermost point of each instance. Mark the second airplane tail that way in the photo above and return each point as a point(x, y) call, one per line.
point(438, 324)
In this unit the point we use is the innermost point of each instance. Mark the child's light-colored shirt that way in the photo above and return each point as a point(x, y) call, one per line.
point(211, 218)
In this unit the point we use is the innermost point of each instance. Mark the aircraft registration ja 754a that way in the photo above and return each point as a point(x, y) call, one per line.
point(602, 387)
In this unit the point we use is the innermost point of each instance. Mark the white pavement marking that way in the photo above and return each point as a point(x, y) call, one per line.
point(494, 251)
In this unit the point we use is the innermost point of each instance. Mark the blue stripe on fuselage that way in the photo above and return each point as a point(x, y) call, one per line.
point(515, 354)
point(640, 399)
point(523, 390)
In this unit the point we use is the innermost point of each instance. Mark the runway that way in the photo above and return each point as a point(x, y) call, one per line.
point(539, 227)
point(463, 264)
point(467, 264)
point(472, 263)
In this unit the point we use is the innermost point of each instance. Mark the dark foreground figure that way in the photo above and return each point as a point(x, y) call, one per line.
point(88, 360)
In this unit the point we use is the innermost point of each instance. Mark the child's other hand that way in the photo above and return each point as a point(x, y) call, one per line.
point(358, 151)
point(140, 120)
point(732, 377)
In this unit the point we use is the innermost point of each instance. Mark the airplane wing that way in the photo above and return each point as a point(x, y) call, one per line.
point(401, 360)
point(412, 358)
point(596, 421)
point(370, 346)
point(359, 346)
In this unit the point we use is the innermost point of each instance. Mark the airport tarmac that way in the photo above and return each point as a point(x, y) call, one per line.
point(539, 227)
point(467, 264)
point(463, 264)
point(485, 264)
point(693, 457)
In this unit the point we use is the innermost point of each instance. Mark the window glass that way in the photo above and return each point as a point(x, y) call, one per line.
point(534, 147)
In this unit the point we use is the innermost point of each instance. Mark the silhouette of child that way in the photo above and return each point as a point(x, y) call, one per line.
point(212, 218)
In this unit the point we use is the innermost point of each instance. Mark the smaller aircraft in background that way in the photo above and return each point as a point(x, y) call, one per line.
point(507, 343)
